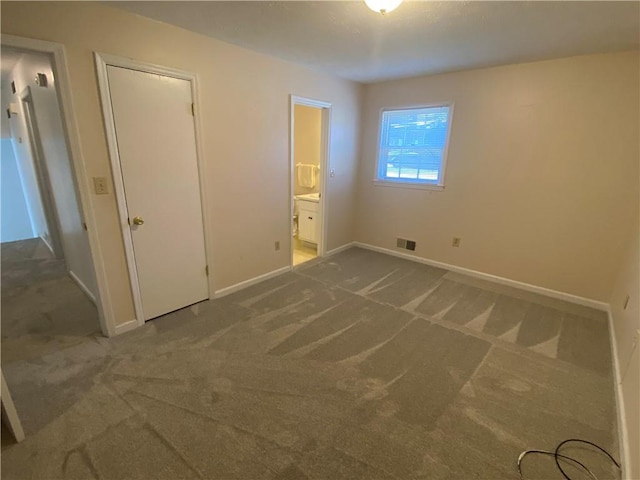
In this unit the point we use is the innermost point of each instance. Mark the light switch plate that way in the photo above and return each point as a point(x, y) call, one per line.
point(100, 185)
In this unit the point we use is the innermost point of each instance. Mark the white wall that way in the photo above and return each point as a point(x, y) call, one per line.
point(626, 323)
point(73, 237)
point(244, 112)
point(15, 129)
point(14, 221)
point(542, 173)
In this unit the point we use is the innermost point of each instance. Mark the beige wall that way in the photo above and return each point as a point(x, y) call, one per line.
point(541, 178)
point(244, 110)
point(307, 146)
point(626, 323)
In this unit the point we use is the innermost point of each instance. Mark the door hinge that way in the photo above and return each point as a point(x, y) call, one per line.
point(193, 109)
point(206, 269)
point(84, 225)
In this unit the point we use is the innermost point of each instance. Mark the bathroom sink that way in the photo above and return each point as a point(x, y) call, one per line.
point(309, 197)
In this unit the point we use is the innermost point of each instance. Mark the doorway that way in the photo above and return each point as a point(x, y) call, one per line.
point(49, 291)
point(310, 120)
point(150, 121)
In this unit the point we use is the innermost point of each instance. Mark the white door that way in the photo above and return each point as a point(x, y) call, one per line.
point(155, 136)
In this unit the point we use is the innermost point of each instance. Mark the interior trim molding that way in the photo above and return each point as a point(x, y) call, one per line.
point(252, 281)
point(568, 297)
point(48, 245)
point(623, 434)
point(126, 327)
point(342, 248)
point(82, 286)
point(10, 414)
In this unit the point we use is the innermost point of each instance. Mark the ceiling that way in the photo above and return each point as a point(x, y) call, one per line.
point(420, 37)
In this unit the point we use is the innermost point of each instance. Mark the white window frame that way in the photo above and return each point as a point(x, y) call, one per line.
point(408, 183)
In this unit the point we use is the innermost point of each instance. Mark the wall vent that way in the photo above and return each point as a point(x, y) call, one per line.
point(406, 244)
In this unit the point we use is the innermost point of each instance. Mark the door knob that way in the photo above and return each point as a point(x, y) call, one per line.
point(138, 221)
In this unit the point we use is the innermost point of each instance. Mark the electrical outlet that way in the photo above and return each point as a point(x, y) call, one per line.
point(456, 242)
point(100, 185)
point(411, 245)
point(277, 245)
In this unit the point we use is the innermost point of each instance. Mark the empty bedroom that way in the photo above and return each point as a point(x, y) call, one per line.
point(327, 240)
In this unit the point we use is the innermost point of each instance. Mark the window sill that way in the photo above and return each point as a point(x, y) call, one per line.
point(415, 186)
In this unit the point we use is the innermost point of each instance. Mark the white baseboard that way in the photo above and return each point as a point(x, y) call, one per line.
point(252, 281)
point(83, 287)
point(568, 297)
point(623, 438)
point(126, 326)
point(344, 247)
point(48, 245)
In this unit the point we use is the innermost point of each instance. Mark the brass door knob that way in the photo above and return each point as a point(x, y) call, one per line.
point(138, 221)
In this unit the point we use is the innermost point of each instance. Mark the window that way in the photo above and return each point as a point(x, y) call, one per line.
point(413, 145)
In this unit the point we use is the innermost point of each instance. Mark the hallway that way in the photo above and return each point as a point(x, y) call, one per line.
point(43, 310)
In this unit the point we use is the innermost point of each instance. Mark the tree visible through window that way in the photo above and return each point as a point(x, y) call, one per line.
point(413, 145)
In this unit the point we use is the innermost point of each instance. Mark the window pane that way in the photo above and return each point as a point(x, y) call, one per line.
point(412, 144)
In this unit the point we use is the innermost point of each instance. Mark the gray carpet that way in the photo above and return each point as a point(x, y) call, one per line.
point(43, 310)
point(360, 365)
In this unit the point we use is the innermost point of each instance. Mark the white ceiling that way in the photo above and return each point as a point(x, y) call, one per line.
point(420, 37)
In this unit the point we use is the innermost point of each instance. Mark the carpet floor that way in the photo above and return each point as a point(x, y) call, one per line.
point(359, 365)
point(43, 310)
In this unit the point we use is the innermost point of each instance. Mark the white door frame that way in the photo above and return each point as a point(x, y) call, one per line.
point(102, 61)
point(74, 148)
point(324, 166)
point(43, 180)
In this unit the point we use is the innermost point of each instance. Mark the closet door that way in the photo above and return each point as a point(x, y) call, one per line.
point(156, 144)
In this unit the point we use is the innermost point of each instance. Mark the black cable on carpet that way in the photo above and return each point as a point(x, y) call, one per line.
point(557, 455)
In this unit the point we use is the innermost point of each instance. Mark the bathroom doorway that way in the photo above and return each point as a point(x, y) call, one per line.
point(309, 158)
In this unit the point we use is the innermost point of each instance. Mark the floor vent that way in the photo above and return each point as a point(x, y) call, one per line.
point(406, 244)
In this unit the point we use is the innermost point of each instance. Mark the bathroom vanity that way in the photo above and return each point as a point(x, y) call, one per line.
point(307, 207)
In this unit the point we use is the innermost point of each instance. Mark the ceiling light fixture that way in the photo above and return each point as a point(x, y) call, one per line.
point(383, 6)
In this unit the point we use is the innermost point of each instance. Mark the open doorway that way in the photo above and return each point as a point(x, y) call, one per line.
point(309, 158)
point(49, 286)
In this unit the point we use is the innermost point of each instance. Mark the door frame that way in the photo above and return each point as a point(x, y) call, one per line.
point(74, 147)
point(43, 179)
point(325, 142)
point(103, 60)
